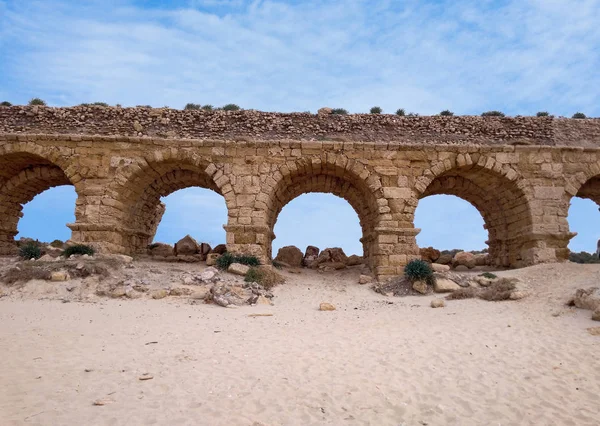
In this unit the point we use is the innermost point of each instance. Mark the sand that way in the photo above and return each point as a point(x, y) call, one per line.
point(376, 360)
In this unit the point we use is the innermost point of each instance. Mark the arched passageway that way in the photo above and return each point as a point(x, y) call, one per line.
point(583, 217)
point(141, 195)
point(22, 177)
point(500, 201)
point(342, 180)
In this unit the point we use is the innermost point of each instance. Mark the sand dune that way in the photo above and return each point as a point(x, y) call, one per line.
point(373, 361)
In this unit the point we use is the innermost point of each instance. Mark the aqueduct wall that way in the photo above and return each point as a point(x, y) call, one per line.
point(520, 173)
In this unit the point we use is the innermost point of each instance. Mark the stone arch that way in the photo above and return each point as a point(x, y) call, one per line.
point(496, 192)
point(337, 175)
point(137, 209)
point(26, 170)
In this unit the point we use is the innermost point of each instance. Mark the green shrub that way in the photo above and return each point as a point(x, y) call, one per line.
point(579, 115)
point(488, 275)
point(252, 276)
point(37, 101)
point(5, 103)
point(543, 114)
point(57, 244)
point(265, 276)
point(376, 110)
point(446, 113)
point(339, 111)
point(30, 251)
point(413, 114)
point(207, 107)
point(493, 114)
point(78, 249)
point(192, 106)
point(419, 270)
point(143, 106)
point(102, 104)
point(231, 107)
point(226, 259)
point(401, 112)
point(583, 257)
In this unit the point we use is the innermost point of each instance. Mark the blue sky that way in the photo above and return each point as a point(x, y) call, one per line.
point(425, 56)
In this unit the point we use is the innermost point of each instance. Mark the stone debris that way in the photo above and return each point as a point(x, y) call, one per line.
point(364, 279)
point(324, 306)
point(59, 276)
point(238, 269)
point(438, 303)
point(290, 255)
point(421, 287)
point(444, 285)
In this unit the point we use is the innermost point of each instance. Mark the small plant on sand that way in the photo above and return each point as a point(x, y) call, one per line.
point(265, 276)
point(30, 251)
point(339, 111)
point(401, 112)
point(376, 110)
point(500, 290)
point(192, 106)
point(488, 275)
point(492, 114)
point(543, 114)
point(226, 259)
point(419, 270)
point(57, 244)
point(231, 107)
point(78, 249)
point(37, 101)
point(446, 113)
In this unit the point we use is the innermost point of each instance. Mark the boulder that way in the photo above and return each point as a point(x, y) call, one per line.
point(596, 315)
point(443, 285)
point(161, 249)
point(355, 260)
point(587, 298)
point(332, 255)
point(464, 258)
point(224, 294)
point(481, 259)
point(438, 303)
point(444, 259)
point(310, 255)
point(52, 251)
point(290, 255)
point(180, 291)
point(209, 275)
point(437, 267)
point(186, 246)
point(485, 282)
point(364, 279)
point(211, 259)
point(117, 292)
point(203, 250)
point(219, 249)
point(326, 307)
point(332, 266)
point(324, 111)
point(429, 254)
point(59, 276)
point(420, 287)
point(159, 294)
point(238, 269)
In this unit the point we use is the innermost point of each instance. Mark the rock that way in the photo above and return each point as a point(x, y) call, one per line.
point(226, 294)
point(332, 255)
point(59, 276)
point(443, 285)
point(211, 259)
point(53, 251)
point(137, 126)
point(209, 275)
point(221, 300)
point(594, 331)
point(332, 266)
point(444, 259)
point(310, 255)
point(131, 293)
point(326, 307)
point(200, 293)
point(461, 268)
point(438, 303)
point(146, 376)
point(117, 292)
point(204, 249)
point(188, 280)
point(429, 254)
point(364, 279)
point(324, 111)
point(437, 267)
point(484, 282)
point(161, 249)
point(518, 294)
point(421, 287)
point(596, 315)
point(219, 249)
point(262, 300)
point(481, 259)
point(186, 246)
point(290, 255)
point(159, 294)
point(355, 260)
point(180, 291)
point(587, 298)
point(238, 269)
point(464, 258)
point(46, 258)
point(103, 401)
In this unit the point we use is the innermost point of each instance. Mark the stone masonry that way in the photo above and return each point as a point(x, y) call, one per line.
point(520, 173)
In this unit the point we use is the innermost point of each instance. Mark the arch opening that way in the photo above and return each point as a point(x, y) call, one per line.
point(583, 220)
point(23, 176)
point(501, 203)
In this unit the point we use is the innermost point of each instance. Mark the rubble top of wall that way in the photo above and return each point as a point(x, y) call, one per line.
point(266, 126)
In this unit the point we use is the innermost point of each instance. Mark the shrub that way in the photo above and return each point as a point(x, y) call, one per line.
point(226, 259)
point(419, 270)
point(78, 249)
point(583, 257)
point(500, 290)
point(252, 276)
point(5, 103)
point(413, 114)
point(153, 246)
point(102, 104)
point(231, 107)
point(488, 275)
point(493, 114)
point(207, 107)
point(30, 251)
point(376, 110)
point(57, 244)
point(339, 111)
point(192, 107)
point(543, 114)
point(24, 273)
point(265, 276)
point(446, 113)
point(401, 112)
point(463, 293)
point(37, 101)
point(579, 115)
point(143, 106)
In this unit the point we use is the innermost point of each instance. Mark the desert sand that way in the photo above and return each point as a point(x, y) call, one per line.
point(376, 360)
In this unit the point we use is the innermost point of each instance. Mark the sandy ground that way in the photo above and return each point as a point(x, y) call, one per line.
point(376, 360)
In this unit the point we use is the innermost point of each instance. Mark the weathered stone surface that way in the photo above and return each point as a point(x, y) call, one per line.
point(421, 287)
point(444, 259)
point(437, 267)
point(587, 298)
point(159, 294)
point(203, 250)
point(429, 254)
point(464, 258)
point(211, 259)
point(354, 260)
point(324, 306)
point(332, 255)
point(209, 275)
point(59, 276)
point(186, 246)
point(219, 249)
point(365, 279)
point(290, 255)
point(310, 255)
point(444, 285)
point(161, 249)
point(596, 315)
point(481, 259)
point(438, 303)
point(238, 269)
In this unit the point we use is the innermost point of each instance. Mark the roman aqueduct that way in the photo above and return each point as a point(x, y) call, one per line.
point(520, 173)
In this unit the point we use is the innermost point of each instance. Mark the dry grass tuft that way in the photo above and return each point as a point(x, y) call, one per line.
point(463, 293)
point(500, 290)
point(266, 276)
point(27, 271)
point(22, 274)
